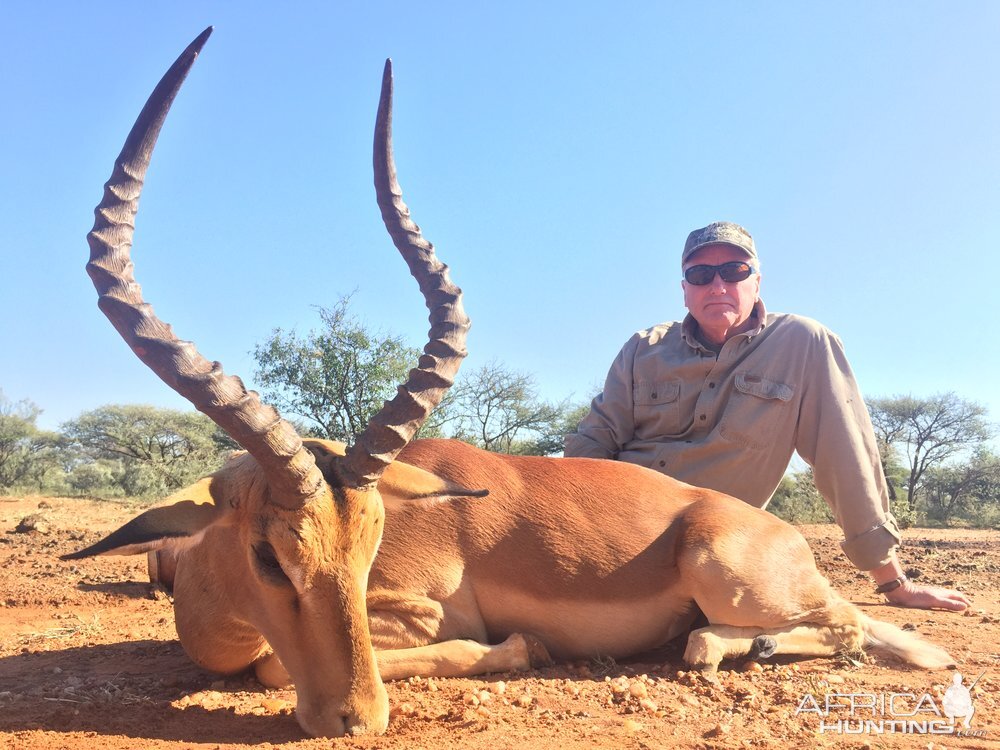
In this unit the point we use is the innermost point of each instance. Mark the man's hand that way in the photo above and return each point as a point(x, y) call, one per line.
point(914, 595)
point(910, 594)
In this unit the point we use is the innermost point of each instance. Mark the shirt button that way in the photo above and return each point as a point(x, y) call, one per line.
point(663, 463)
point(702, 417)
point(711, 385)
point(652, 395)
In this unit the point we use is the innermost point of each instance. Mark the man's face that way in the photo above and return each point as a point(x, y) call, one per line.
point(721, 308)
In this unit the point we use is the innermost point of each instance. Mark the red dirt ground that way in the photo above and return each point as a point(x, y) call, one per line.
point(89, 658)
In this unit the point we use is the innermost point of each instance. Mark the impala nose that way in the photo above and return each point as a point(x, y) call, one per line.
point(340, 725)
point(357, 726)
point(337, 721)
point(325, 724)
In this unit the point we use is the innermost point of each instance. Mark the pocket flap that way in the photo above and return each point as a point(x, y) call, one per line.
point(663, 392)
point(755, 385)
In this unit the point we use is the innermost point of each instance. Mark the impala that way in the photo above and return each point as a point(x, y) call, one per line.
point(272, 559)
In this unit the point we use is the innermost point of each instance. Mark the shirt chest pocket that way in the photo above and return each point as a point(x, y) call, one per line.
point(656, 408)
point(758, 412)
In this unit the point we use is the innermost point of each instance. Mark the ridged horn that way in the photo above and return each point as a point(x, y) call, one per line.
point(394, 426)
point(290, 468)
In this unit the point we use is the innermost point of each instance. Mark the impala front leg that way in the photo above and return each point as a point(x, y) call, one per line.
point(210, 632)
point(461, 658)
point(457, 658)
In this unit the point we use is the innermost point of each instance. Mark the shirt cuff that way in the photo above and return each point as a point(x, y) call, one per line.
point(873, 548)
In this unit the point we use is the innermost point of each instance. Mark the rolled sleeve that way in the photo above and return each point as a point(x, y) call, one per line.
point(873, 548)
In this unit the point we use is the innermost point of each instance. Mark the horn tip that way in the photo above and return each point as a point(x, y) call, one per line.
point(200, 40)
point(385, 98)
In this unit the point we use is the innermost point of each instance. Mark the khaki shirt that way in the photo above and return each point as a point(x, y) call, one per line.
point(730, 421)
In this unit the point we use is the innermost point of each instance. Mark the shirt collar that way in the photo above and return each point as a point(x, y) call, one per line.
point(689, 327)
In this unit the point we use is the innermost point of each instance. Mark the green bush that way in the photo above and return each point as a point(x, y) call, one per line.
point(798, 501)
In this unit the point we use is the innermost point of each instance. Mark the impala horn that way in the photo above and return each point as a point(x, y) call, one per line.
point(394, 426)
point(291, 470)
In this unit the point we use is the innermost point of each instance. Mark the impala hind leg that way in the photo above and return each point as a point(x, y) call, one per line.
point(706, 647)
point(755, 576)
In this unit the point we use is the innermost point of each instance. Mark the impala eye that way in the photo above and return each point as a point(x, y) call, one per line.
point(267, 562)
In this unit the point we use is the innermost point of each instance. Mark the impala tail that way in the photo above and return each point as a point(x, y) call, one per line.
point(906, 646)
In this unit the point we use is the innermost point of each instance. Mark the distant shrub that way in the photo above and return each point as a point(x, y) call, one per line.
point(798, 501)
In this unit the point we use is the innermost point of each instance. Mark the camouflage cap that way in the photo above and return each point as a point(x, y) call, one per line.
point(719, 233)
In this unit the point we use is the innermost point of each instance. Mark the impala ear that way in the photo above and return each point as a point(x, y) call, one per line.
point(403, 484)
point(192, 511)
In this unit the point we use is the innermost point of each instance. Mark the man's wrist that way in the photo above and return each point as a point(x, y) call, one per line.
point(889, 586)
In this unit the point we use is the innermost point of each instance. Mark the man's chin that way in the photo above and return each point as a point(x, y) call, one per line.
point(717, 317)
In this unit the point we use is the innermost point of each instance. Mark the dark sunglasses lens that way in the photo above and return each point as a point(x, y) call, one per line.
point(700, 275)
point(735, 271)
point(730, 272)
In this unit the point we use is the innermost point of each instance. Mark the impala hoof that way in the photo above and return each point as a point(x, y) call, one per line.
point(271, 673)
point(762, 647)
point(162, 565)
point(538, 655)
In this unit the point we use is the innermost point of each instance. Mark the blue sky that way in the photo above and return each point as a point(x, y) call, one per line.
point(557, 154)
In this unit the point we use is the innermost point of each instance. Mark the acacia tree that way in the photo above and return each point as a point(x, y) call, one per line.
point(335, 378)
point(951, 490)
point(144, 449)
point(550, 441)
point(928, 432)
point(338, 377)
point(26, 453)
point(498, 409)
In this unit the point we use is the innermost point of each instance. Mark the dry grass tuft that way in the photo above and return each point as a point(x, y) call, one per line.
point(80, 627)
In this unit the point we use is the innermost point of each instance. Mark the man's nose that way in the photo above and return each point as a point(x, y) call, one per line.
point(717, 285)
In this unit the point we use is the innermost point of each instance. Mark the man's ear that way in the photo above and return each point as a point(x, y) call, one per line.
point(403, 484)
point(192, 511)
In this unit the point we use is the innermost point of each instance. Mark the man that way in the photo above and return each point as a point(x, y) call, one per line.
point(723, 398)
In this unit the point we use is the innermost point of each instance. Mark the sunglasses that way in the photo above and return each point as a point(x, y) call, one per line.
point(731, 272)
